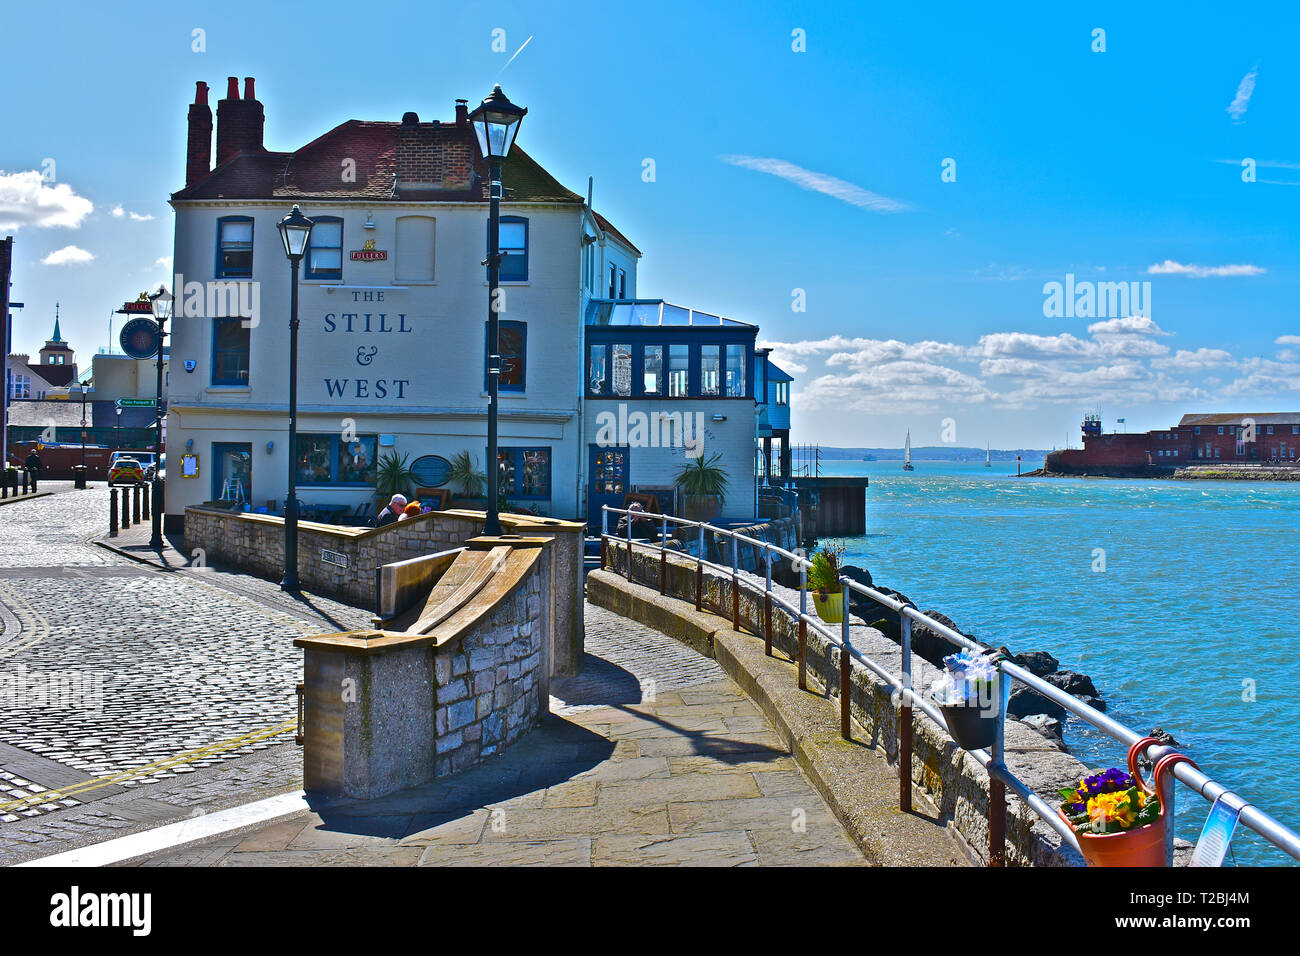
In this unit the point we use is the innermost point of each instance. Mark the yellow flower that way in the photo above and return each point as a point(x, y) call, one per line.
point(1115, 807)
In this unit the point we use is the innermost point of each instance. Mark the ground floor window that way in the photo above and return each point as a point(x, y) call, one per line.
point(330, 460)
point(525, 472)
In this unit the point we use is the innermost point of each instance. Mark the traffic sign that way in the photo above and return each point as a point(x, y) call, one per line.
point(135, 403)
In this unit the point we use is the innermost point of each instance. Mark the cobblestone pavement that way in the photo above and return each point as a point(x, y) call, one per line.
point(688, 774)
point(112, 669)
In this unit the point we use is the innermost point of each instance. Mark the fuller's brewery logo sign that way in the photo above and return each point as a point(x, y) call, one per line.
point(368, 253)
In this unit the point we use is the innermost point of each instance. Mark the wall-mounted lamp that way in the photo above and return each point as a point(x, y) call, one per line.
point(269, 445)
point(369, 223)
point(189, 444)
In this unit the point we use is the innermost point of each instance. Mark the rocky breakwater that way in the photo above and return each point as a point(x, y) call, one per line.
point(1026, 705)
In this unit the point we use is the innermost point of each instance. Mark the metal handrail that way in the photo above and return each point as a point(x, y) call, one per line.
point(1251, 816)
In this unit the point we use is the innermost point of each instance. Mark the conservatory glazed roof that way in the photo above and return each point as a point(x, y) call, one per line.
point(654, 312)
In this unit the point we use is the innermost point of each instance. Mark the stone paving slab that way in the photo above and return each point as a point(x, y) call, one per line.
point(650, 782)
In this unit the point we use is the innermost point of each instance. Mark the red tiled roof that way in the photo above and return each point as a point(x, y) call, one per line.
point(609, 227)
point(1226, 418)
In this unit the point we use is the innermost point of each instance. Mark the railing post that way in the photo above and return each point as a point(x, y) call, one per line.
point(846, 666)
point(699, 570)
point(767, 605)
point(604, 534)
point(803, 625)
point(735, 584)
point(663, 556)
point(135, 504)
point(126, 509)
point(628, 516)
point(905, 719)
point(998, 789)
point(112, 512)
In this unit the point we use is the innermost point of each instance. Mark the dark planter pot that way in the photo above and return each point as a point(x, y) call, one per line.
point(971, 726)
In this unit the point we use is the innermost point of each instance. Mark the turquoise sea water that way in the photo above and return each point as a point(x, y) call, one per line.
point(1193, 610)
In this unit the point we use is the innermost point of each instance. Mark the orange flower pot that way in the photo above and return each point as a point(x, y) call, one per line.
point(1144, 846)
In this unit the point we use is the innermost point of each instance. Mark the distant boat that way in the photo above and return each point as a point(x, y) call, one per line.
point(907, 452)
point(988, 457)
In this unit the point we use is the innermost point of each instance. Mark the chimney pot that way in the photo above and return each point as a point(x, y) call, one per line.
point(410, 118)
point(200, 93)
point(462, 112)
point(248, 88)
point(198, 141)
point(232, 87)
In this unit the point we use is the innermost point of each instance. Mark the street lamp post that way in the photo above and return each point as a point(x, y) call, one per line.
point(161, 302)
point(496, 123)
point(295, 230)
point(117, 433)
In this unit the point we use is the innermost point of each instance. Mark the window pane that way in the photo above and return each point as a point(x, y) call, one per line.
point(327, 234)
point(326, 260)
point(653, 375)
point(313, 461)
point(596, 369)
point(510, 338)
point(356, 464)
point(513, 236)
point(535, 473)
point(236, 233)
point(230, 352)
point(679, 370)
point(710, 369)
point(735, 371)
point(622, 369)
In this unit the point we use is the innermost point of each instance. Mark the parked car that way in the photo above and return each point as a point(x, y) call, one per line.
point(125, 471)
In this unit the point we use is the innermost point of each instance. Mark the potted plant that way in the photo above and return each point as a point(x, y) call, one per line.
point(824, 579)
point(472, 481)
point(704, 488)
point(1118, 819)
point(393, 476)
point(967, 693)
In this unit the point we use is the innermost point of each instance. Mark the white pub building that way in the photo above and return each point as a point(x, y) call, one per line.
point(392, 344)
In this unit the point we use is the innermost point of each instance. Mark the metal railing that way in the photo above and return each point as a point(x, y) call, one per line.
point(905, 696)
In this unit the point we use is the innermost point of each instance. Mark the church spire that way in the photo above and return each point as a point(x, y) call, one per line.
point(57, 337)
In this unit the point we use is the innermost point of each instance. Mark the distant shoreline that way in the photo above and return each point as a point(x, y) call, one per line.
point(1192, 473)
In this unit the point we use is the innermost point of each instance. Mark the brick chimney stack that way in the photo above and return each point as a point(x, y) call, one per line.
point(198, 145)
point(240, 123)
point(462, 112)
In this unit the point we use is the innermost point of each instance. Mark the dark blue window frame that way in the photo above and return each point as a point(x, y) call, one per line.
point(219, 270)
point(523, 356)
point(514, 268)
point(325, 274)
point(512, 485)
point(247, 352)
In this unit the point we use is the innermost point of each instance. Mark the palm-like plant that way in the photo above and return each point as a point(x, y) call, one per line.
point(704, 477)
point(463, 470)
point(393, 476)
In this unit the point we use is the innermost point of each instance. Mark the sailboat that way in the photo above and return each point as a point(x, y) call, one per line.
point(907, 452)
point(988, 456)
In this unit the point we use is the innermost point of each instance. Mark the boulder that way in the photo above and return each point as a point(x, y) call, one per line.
point(929, 645)
point(1038, 663)
point(1072, 682)
point(1096, 703)
point(1049, 727)
point(1165, 738)
point(1025, 703)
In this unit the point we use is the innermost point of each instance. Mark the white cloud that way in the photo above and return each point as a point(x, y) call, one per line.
point(1245, 89)
point(1199, 359)
point(1287, 340)
point(117, 212)
point(136, 217)
point(26, 200)
point(1170, 267)
point(1128, 325)
point(67, 256)
point(164, 261)
point(839, 189)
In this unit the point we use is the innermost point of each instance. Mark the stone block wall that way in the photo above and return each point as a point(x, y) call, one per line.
point(954, 780)
point(489, 688)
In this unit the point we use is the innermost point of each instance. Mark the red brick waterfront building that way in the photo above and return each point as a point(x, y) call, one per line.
point(1197, 439)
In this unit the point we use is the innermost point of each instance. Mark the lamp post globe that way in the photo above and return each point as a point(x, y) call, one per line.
point(496, 123)
point(295, 233)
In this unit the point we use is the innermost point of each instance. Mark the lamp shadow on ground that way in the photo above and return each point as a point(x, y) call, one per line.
point(556, 752)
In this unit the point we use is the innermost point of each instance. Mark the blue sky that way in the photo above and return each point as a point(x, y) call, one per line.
point(775, 171)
